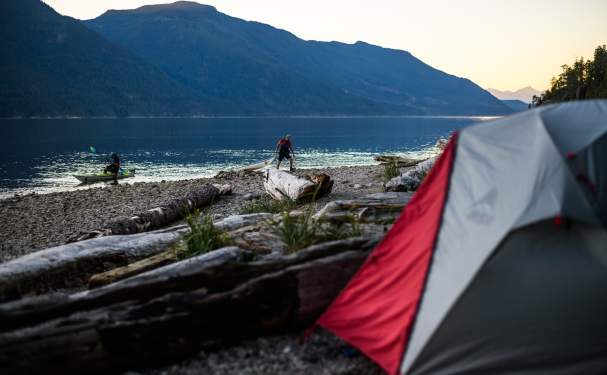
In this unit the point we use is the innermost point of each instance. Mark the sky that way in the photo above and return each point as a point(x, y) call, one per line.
point(502, 44)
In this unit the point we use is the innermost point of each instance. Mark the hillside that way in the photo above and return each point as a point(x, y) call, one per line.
point(253, 68)
point(53, 65)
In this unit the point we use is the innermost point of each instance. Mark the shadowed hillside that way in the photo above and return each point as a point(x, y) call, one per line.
point(54, 66)
point(254, 68)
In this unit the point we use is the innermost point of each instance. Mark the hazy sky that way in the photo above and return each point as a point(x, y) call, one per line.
point(503, 44)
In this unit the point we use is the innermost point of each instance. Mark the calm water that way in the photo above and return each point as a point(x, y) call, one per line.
point(42, 155)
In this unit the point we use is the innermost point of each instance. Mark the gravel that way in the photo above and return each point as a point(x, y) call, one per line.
point(38, 221)
point(321, 353)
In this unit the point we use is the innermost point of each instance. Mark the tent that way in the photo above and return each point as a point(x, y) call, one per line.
point(499, 262)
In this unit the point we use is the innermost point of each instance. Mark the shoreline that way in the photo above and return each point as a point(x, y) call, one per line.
point(475, 116)
point(23, 192)
point(38, 221)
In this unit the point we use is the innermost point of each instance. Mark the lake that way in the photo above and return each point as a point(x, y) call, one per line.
point(41, 155)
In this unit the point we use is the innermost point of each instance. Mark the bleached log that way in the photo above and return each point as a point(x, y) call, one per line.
point(371, 208)
point(157, 217)
point(71, 265)
point(283, 185)
point(234, 222)
point(412, 178)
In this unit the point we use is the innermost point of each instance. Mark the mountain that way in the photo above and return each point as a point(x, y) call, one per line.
point(525, 94)
point(241, 67)
point(53, 65)
point(516, 105)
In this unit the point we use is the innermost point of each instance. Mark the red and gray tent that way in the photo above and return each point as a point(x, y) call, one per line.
point(499, 262)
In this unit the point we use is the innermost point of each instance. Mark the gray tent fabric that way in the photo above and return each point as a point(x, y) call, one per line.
point(589, 168)
point(509, 174)
point(532, 309)
point(574, 125)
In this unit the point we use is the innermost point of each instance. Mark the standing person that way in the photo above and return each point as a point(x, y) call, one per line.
point(113, 168)
point(284, 149)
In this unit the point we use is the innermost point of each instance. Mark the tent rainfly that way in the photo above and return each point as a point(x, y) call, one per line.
point(498, 265)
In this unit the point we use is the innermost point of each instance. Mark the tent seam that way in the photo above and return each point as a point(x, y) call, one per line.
point(455, 140)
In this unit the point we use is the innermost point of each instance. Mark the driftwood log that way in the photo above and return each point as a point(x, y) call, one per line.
point(283, 185)
point(155, 318)
point(412, 178)
point(398, 161)
point(217, 271)
point(379, 207)
point(71, 265)
point(160, 216)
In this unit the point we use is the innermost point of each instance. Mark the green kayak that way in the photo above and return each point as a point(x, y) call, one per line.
point(101, 177)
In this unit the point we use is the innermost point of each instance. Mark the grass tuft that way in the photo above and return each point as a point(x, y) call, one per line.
point(203, 236)
point(390, 171)
point(298, 232)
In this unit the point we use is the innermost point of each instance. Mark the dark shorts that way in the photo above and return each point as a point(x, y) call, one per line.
point(284, 154)
point(112, 168)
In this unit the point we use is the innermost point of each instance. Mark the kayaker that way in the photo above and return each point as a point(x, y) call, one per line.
point(284, 149)
point(113, 168)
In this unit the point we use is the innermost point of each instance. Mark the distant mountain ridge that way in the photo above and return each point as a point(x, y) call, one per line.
point(525, 94)
point(253, 67)
point(185, 59)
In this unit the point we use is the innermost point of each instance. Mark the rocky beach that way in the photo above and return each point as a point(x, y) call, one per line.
point(39, 221)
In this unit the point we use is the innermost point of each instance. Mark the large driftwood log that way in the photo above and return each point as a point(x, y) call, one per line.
point(160, 216)
point(216, 271)
point(283, 185)
point(71, 265)
point(150, 331)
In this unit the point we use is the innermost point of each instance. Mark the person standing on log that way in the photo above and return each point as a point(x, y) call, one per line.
point(284, 149)
point(113, 168)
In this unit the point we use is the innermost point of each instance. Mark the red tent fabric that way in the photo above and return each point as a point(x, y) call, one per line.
point(376, 310)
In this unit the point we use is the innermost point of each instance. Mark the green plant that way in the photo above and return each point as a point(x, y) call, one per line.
point(298, 232)
point(268, 205)
point(203, 236)
point(355, 229)
point(390, 171)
